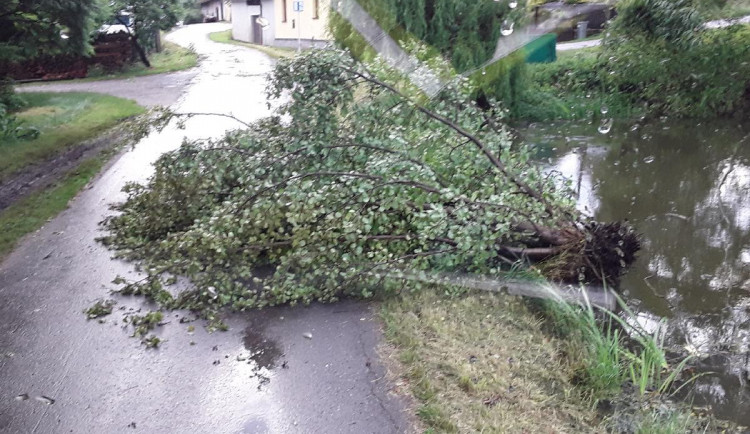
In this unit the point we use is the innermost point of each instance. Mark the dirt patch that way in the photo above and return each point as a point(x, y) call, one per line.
point(42, 175)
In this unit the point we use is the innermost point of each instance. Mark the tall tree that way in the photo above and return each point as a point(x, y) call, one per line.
point(149, 17)
point(441, 26)
point(33, 28)
point(412, 14)
point(30, 28)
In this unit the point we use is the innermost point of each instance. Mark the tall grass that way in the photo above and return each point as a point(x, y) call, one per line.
point(604, 358)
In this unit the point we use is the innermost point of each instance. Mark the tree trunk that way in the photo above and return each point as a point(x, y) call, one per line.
point(134, 40)
point(141, 52)
point(157, 41)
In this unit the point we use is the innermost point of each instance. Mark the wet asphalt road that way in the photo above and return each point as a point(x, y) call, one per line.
point(148, 91)
point(265, 375)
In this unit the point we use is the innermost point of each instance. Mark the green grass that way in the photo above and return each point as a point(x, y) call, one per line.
point(487, 362)
point(64, 120)
point(579, 52)
point(481, 363)
point(275, 52)
point(171, 59)
point(30, 213)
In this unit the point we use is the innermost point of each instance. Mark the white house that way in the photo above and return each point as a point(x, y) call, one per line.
point(216, 10)
point(281, 22)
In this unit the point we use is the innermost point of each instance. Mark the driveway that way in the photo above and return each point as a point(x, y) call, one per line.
point(286, 370)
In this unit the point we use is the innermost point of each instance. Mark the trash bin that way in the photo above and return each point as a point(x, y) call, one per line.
point(582, 29)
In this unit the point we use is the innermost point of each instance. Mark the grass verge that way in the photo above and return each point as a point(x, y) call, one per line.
point(171, 59)
point(579, 52)
point(481, 363)
point(275, 52)
point(486, 362)
point(63, 120)
point(571, 88)
point(31, 212)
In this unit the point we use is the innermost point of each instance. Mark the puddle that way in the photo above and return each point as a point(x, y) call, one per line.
point(264, 352)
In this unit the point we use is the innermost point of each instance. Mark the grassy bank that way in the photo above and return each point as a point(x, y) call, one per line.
point(481, 363)
point(275, 52)
point(31, 212)
point(571, 88)
point(63, 120)
point(702, 77)
point(486, 362)
point(171, 59)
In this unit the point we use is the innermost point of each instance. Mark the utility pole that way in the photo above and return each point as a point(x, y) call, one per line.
point(299, 7)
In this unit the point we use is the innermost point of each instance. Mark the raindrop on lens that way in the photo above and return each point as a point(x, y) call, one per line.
point(513, 4)
point(605, 126)
point(507, 28)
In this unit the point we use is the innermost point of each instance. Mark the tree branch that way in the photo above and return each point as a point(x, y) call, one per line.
point(490, 156)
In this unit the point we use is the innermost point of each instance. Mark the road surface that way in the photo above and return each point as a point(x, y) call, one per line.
point(148, 91)
point(286, 370)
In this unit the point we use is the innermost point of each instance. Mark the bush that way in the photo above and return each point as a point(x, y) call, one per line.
point(570, 88)
point(9, 103)
point(710, 78)
point(674, 21)
point(193, 16)
point(9, 98)
point(570, 74)
point(646, 71)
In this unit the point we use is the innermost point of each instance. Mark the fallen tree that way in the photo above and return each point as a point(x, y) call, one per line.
point(355, 180)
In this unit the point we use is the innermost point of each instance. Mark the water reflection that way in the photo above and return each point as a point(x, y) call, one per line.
point(686, 188)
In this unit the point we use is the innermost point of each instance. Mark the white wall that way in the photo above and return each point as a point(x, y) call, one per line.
point(242, 20)
point(279, 33)
point(208, 9)
point(302, 24)
point(269, 13)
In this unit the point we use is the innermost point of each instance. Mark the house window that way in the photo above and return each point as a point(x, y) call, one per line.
point(283, 11)
point(316, 9)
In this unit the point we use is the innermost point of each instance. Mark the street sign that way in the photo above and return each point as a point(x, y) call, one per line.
point(299, 6)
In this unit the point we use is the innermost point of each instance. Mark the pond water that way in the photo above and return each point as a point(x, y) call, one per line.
point(686, 187)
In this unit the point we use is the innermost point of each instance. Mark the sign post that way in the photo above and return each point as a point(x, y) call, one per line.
point(299, 6)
